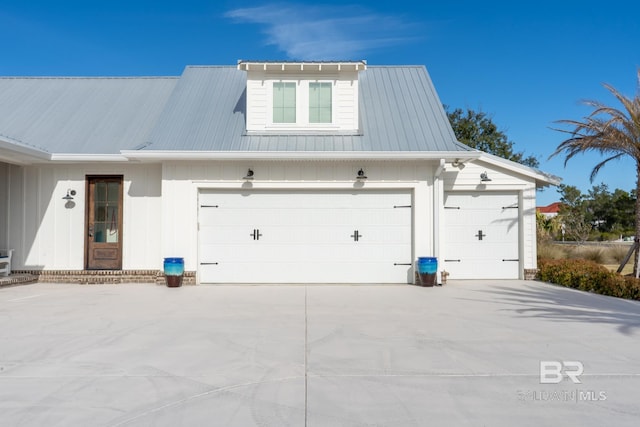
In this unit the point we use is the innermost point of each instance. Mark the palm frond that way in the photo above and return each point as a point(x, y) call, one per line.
point(599, 166)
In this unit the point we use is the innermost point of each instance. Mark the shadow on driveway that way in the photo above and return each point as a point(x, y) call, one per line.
point(543, 300)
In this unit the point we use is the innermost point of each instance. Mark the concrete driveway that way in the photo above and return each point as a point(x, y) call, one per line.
point(466, 354)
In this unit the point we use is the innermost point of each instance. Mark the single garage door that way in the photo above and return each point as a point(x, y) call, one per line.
point(481, 235)
point(305, 237)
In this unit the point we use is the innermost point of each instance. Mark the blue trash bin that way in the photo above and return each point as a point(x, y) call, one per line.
point(173, 271)
point(427, 271)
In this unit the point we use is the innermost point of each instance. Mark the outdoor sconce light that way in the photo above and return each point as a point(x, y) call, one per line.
point(361, 174)
point(70, 194)
point(249, 174)
point(484, 177)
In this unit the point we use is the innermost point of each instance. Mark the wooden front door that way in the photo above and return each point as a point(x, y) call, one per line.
point(104, 223)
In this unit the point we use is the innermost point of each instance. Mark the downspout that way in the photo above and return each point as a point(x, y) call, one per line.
point(438, 207)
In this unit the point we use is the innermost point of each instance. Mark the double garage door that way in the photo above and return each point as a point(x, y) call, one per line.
point(481, 235)
point(305, 236)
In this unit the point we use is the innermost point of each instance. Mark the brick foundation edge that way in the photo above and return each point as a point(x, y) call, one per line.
point(100, 277)
point(530, 273)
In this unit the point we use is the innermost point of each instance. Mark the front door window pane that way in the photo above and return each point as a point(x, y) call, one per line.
point(106, 212)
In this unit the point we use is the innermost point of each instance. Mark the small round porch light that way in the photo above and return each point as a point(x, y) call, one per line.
point(70, 194)
point(484, 177)
point(249, 174)
point(361, 175)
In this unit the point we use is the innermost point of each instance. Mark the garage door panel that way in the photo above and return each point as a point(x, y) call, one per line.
point(342, 237)
point(321, 273)
point(491, 216)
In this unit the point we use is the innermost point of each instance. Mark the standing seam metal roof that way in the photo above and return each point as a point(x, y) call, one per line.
point(82, 115)
point(205, 110)
point(399, 111)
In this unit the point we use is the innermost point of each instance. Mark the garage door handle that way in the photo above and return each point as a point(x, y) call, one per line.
point(208, 263)
point(256, 234)
point(452, 260)
point(400, 263)
point(356, 235)
point(511, 259)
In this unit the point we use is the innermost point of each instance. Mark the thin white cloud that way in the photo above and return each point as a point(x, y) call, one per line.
point(325, 32)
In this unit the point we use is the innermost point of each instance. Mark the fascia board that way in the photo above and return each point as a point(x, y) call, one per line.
point(294, 155)
point(541, 177)
point(25, 153)
point(72, 158)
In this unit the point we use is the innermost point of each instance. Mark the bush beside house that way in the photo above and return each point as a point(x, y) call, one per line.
point(588, 276)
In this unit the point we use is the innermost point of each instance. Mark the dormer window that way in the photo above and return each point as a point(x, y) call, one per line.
point(284, 102)
point(302, 97)
point(320, 102)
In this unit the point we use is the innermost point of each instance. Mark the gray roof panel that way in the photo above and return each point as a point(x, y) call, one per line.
point(399, 111)
point(81, 115)
point(205, 110)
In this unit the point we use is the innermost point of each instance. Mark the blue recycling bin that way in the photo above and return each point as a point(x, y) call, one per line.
point(173, 271)
point(427, 271)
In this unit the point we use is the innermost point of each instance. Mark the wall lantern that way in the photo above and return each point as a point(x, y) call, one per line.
point(484, 177)
point(70, 194)
point(361, 175)
point(249, 174)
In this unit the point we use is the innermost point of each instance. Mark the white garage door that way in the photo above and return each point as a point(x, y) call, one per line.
point(481, 236)
point(305, 237)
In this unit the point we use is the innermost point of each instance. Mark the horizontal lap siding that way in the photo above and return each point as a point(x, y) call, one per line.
point(345, 99)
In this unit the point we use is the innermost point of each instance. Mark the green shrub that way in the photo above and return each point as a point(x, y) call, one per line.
point(587, 275)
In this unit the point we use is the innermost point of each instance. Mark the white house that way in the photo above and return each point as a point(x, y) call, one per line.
point(269, 172)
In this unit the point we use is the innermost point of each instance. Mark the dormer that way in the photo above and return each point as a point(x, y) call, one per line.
point(302, 97)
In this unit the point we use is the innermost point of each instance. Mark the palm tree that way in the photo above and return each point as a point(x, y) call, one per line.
point(612, 132)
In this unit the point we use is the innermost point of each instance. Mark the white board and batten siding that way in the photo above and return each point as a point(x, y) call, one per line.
point(306, 213)
point(503, 208)
point(48, 233)
point(305, 236)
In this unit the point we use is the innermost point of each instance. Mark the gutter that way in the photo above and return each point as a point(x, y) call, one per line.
point(23, 150)
point(88, 158)
point(293, 155)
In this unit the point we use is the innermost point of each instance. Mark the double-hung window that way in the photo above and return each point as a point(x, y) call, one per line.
point(284, 102)
point(319, 102)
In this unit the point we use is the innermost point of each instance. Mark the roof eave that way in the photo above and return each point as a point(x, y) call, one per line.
point(83, 158)
point(12, 152)
point(543, 179)
point(160, 155)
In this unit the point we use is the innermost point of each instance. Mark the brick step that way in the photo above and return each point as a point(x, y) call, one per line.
point(104, 276)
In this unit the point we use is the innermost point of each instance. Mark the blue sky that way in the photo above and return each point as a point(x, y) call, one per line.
point(526, 64)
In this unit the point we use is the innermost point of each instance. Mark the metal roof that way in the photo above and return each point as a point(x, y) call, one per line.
point(81, 115)
point(204, 111)
point(399, 111)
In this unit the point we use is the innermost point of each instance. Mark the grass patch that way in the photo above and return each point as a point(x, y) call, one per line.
point(595, 254)
point(551, 251)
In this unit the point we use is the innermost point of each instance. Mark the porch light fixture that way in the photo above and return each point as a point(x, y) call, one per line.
point(249, 175)
point(484, 177)
point(361, 175)
point(70, 194)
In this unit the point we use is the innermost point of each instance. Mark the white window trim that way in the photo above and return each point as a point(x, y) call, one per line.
point(302, 106)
